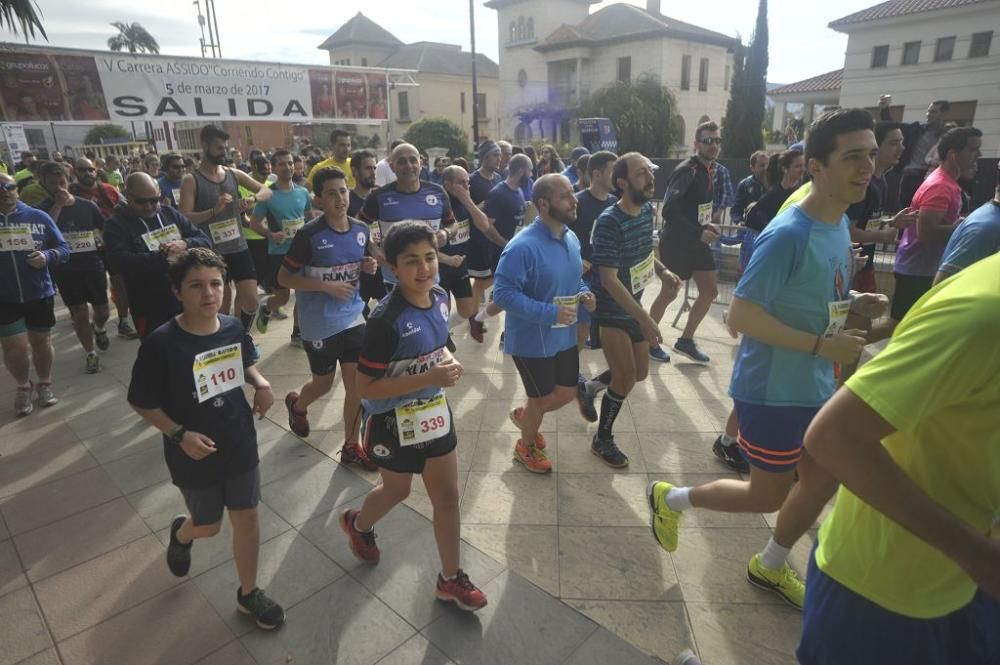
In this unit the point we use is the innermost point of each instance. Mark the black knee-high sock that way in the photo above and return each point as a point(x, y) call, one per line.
point(604, 377)
point(246, 318)
point(611, 405)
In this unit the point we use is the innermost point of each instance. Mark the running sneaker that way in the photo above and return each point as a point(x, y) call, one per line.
point(362, 542)
point(686, 657)
point(279, 314)
point(263, 318)
point(476, 329)
point(515, 417)
point(296, 340)
point(353, 453)
point(46, 397)
point(297, 420)
point(785, 582)
point(267, 613)
point(23, 404)
point(609, 452)
point(532, 457)
point(101, 339)
point(658, 354)
point(461, 591)
point(126, 330)
point(178, 555)
point(663, 520)
point(730, 455)
point(687, 347)
point(585, 400)
point(93, 363)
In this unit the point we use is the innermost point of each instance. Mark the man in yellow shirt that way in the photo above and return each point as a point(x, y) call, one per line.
point(341, 158)
point(905, 570)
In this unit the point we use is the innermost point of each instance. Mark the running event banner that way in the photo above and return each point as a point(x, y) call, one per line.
point(57, 85)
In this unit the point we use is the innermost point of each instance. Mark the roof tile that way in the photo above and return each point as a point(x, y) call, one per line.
point(894, 8)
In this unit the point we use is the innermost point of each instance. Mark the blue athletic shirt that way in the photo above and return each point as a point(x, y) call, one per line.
point(403, 339)
point(322, 253)
point(588, 209)
point(976, 238)
point(535, 268)
point(283, 206)
point(620, 241)
point(505, 206)
point(387, 206)
point(799, 265)
point(19, 282)
point(479, 186)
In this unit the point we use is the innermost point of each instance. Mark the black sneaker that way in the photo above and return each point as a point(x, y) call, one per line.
point(178, 555)
point(101, 338)
point(267, 613)
point(609, 452)
point(730, 455)
point(687, 347)
point(585, 400)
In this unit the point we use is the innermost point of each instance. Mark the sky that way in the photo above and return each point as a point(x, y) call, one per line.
point(801, 44)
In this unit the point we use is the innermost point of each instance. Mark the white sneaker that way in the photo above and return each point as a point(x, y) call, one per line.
point(45, 396)
point(23, 404)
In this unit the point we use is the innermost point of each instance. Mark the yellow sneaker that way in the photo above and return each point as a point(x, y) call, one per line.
point(785, 582)
point(662, 519)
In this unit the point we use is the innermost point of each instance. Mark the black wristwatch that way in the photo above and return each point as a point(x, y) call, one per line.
point(177, 435)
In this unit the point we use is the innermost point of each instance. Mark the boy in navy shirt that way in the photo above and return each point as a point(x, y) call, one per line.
point(404, 368)
point(324, 265)
point(187, 382)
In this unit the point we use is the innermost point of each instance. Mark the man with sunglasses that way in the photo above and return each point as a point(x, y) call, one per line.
point(141, 237)
point(30, 243)
point(170, 179)
point(105, 197)
point(688, 231)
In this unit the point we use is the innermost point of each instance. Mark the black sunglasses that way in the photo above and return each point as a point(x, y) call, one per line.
point(716, 140)
point(148, 201)
point(8, 186)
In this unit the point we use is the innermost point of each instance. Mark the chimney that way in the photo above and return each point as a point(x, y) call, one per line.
point(653, 6)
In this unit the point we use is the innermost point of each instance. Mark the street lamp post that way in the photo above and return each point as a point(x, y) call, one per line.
point(475, 89)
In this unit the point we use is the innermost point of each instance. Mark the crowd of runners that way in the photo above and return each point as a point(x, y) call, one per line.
point(381, 262)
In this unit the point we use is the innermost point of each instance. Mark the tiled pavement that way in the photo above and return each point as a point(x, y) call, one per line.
point(567, 561)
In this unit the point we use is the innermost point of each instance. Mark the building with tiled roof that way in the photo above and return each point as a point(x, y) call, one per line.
point(554, 53)
point(918, 51)
point(442, 72)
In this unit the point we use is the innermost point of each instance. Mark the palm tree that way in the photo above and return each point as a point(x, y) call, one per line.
point(132, 37)
point(24, 13)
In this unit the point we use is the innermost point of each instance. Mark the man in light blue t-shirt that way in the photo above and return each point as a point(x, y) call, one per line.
point(791, 306)
point(976, 238)
point(285, 213)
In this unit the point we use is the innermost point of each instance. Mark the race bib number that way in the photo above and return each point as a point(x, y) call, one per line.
point(176, 194)
point(573, 301)
point(224, 231)
point(81, 241)
point(292, 226)
point(218, 371)
point(375, 233)
point(423, 420)
point(462, 233)
point(704, 213)
point(348, 272)
point(642, 273)
point(157, 237)
point(16, 239)
point(837, 311)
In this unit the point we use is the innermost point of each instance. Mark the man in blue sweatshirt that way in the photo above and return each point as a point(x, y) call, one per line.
point(538, 284)
point(30, 242)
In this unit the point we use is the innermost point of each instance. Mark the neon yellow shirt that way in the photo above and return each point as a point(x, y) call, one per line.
point(937, 384)
point(248, 232)
point(344, 166)
point(796, 196)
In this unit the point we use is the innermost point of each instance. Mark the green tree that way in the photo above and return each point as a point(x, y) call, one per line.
point(21, 13)
point(375, 142)
point(643, 112)
point(742, 128)
point(132, 37)
point(438, 133)
point(105, 131)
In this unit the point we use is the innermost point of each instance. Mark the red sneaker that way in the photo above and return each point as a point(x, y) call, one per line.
point(476, 329)
point(362, 542)
point(297, 420)
point(515, 417)
point(460, 591)
point(353, 453)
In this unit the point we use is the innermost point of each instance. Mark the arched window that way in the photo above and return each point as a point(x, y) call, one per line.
point(512, 37)
point(531, 28)
point(520, 28)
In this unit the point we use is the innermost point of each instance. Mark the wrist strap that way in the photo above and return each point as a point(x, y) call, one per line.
point(819, 342)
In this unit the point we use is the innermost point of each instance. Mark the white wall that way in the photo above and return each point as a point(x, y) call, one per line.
point(914, 86)
point(440, 96)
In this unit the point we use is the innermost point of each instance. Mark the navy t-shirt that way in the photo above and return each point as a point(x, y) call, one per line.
point(869, 211)
point(588, 209)
point(479, 186)
point(163, 377)
point(82, 216)
point(505, 206)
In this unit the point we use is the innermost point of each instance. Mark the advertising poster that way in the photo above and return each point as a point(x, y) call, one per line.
point(352, 94)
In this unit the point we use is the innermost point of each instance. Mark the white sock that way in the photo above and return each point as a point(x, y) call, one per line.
point(92, 353)
point(774, 555)
point(481, 315)
point(678, 498)
point(728, 440)
point(593, 386)
point(446, 578)
point(98, 329)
